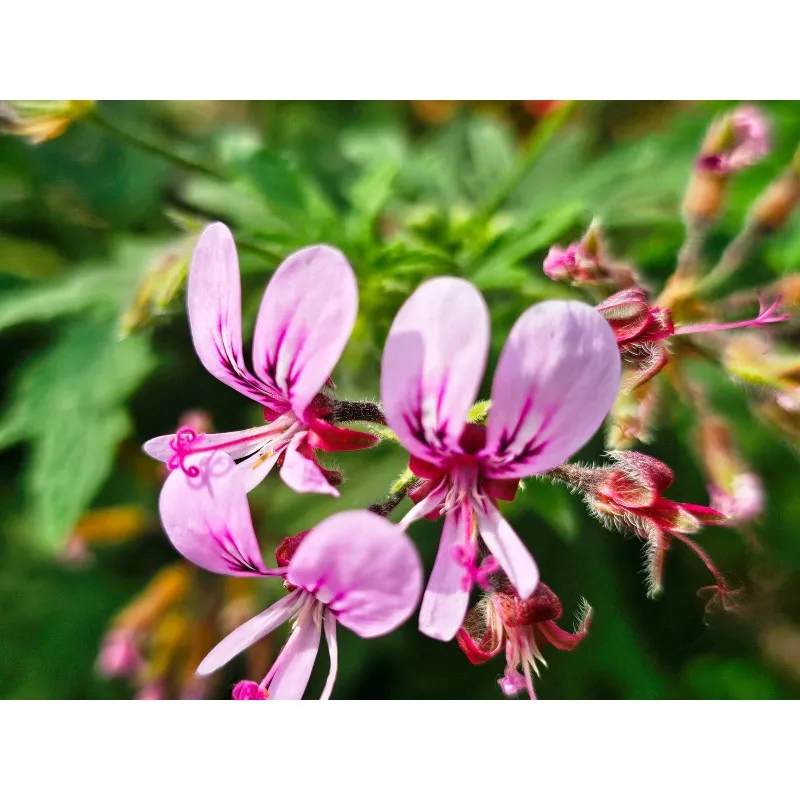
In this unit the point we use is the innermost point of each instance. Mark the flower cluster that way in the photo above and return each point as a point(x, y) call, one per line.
point(564, 368)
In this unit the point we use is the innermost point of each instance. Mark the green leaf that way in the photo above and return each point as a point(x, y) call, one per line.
point(293, 196)
point(100, 285)
point(29, 260)
point(68, 402)
point(69, 464)
point(492, 152)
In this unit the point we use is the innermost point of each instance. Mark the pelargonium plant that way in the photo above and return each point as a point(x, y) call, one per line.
point(567, 367)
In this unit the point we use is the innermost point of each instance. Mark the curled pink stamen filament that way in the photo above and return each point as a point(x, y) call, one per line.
point(181, 444)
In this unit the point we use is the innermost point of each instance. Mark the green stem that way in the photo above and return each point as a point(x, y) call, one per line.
point(733, 257)
point(102, 121)
point(544, 132)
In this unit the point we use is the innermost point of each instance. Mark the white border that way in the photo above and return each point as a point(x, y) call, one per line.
point(368, 50)
point(378, 750)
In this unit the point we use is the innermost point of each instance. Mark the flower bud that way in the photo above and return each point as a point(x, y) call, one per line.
point(634, 413)
point(732, 489)
point(40, 120)
point(777, 202)
point(157, 289)
point(735, 142)
point(732, 143)
point(119, 655)
point(587, 262)
point(754, 359)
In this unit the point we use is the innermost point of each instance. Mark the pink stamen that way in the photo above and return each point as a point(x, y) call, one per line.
point(185, 441)
point(181, 444)
point(466, 555)
point(766, 316)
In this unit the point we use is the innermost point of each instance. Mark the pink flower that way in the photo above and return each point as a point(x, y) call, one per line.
point(744, 500)
point(305, 320)
point(568, 263)
point(152, 691)
point(502, 617)
point(556, 380)
point(119, 655)
point(742, 140)
point(355, 568)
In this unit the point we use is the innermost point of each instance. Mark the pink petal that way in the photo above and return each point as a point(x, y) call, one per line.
point(432, 365)
point(301, 473)
point(444, 604)
point(250, 632)
point(207, 518)
point(297, 659)
point(426, 505)
point(333, 651)
point(258, 466)
point(332, 438)
point(506, 546)
point(557, 378)
point(305, 320)
point(214, 299)
point(237, 444)
point(363, 568)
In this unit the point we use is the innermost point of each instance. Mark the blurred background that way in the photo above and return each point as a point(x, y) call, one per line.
point(100, 206)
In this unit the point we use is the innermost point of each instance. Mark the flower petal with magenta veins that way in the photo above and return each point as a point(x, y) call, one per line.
point(557, 378)
point(432, 365)
point(214, 301)
point(207, 518)
point(306, 317)
point(365, 570)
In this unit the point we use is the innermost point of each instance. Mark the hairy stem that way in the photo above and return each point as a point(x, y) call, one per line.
point(98, 118)
point(733, 257)
point(690, 254)
point(396, 495)
point(357, 411)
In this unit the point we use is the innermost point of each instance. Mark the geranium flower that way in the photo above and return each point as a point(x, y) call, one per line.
point(556, 380)
point(502, 618)
point(355, 568)
point(303, 325)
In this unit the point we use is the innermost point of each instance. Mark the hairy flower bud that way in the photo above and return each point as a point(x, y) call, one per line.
point(587, 262)
point(732, 143)
point(40, 120)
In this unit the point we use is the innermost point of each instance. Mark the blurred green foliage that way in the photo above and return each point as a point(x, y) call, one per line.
point(95, 230)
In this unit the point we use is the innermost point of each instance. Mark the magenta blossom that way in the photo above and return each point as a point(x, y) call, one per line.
point(744, 141)
point(303, 325)
point(556, 380)
point(355, 568)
